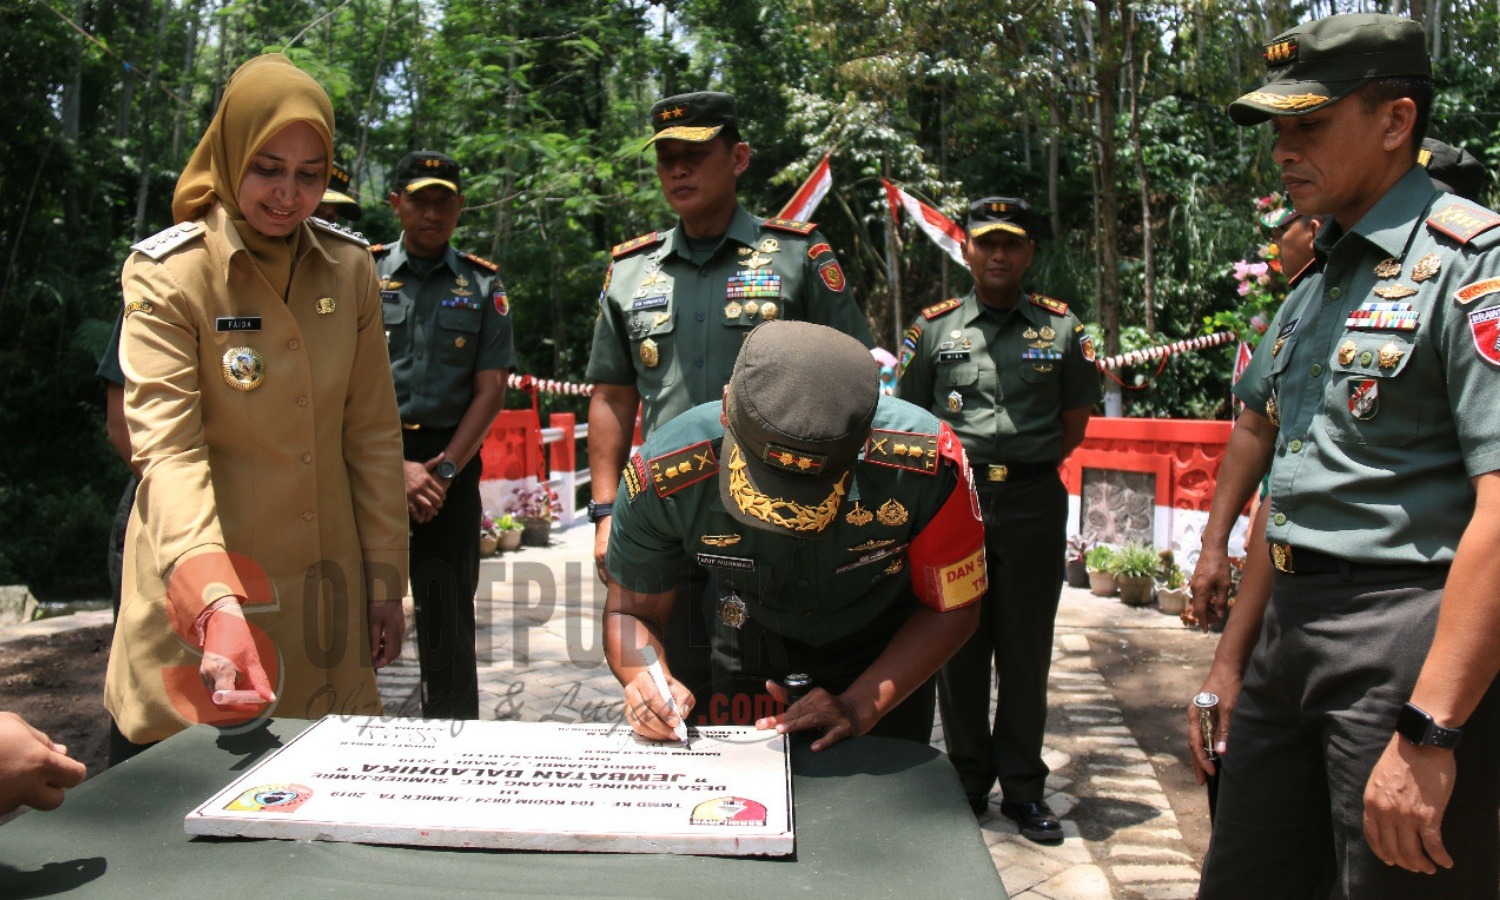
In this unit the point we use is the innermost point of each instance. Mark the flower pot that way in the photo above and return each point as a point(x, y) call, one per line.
point(537, 532)
point(1102, 583)
point(488, 543)
point(1078, 573)
point(1172, 600)
point(1135, 590)
point(510, 540)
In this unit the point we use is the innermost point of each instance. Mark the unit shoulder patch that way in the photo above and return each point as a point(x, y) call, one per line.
point(1463, 221)
point(1050, 304)
point(163, 242)
point(481, 262)
point(792, 225)
point(636, 243)
point(937, 309)
point(911, 450)
point(348, 234)
point(671, 472)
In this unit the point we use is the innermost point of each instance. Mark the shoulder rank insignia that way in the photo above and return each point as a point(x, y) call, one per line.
point(1056, 307)
point(903, 450)
point(482, 263)
point(634, 475)
point(792, 225)
point(163, 242)
point(378, 249)
point(671, 472)
point(347, 234)
point(1463, 221)
point(635, 244)
point(937, 309)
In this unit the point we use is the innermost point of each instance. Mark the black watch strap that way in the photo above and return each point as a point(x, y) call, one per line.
point(1417, 726)
point(598, 511)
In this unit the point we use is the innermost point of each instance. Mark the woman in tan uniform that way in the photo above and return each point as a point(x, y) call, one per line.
point(266, 553)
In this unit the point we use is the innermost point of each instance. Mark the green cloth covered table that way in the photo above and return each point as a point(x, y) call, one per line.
point(875, 817)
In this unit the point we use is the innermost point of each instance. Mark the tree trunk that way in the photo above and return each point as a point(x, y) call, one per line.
point(1136, 82)
point(1106, 82)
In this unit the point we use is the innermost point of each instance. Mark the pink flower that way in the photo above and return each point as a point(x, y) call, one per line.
point(1259, 323)
point(1241, 270)
point(1244, 288)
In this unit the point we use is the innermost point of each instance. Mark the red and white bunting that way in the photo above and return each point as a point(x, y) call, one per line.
point(1136, 357)
point(943, 230)
point(813, 190)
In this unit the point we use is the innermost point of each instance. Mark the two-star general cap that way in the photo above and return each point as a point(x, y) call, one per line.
point(695, 117)
point(797, 411)
point(1323, 61)
point(425, 168)
point(1009, 214)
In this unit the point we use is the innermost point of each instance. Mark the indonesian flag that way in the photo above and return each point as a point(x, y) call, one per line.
point(812, 192)
point(1241, 362)
point(943, 231)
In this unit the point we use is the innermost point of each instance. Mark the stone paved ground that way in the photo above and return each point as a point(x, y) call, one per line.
point(541, 658)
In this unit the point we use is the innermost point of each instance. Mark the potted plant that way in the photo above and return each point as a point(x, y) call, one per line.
point(1099, 560)
point(536, 506)
point(1171, 585)
point(1135, 567)
point(1076, 563)
point(489, 534)
point(510, 532)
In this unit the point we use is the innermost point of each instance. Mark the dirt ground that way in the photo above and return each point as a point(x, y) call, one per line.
point(57, 684)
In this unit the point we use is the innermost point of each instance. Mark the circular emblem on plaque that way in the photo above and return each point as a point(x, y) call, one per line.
point(733, 611)
point(244, 368)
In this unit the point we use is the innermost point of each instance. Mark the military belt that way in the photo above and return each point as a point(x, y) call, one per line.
point(996, 473)
point(1290, 560)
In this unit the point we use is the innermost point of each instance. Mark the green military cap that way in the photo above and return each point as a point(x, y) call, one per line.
point(999, 214)
point(695, 117)
point(425, 168)
point(797, 411)
point(1323, 61)
point(337, 195)
point(1453, 169)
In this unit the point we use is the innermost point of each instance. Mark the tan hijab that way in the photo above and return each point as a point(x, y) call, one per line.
point(264, 96)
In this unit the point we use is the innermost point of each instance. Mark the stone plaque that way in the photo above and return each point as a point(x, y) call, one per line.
point(515, 785)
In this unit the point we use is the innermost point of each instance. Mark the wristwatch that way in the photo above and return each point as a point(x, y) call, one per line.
point(1417, 726)
point(445, 470)
point(598, 511)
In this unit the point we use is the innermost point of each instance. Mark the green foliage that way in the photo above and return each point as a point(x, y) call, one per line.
point(1100, 558)
point(1135, 560)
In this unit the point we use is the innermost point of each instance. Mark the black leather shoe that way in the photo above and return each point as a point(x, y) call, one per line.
point(979, 803)
point(1035, 819)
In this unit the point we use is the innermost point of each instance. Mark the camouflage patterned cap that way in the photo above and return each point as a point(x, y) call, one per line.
point(695, 117)
point(1320, 62)
point(798, 409)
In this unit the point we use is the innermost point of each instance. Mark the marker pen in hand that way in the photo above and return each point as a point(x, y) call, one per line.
point(653, 666)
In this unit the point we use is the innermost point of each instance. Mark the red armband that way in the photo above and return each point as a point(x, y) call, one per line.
point(947, 558)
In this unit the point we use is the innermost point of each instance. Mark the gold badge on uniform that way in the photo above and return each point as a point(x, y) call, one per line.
point(1394, 292)
point(720, 540)
point(1346, 352)
point(1047, 333)
point(745, 251)
point(1276, 347)
point(244, 368)
point(733, 611)
point(1029, 334)
point(770, 245)
point(751, 308)
point(769, 311)
point(460, 342)
point(732, 309)
point(859, 515)
point(872, 544)
point(135, 306)
point(1273, 409)
point(1387, 268)
point(955, 402)
point(1390, 354)
point(895, 567)
point(756, 261)
point(324, 306)
point(891, 513)
point(650, 355)
point(1426, 267)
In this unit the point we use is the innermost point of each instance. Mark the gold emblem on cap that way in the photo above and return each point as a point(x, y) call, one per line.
point(244, 368)
point(720, 540)
point(770, 245)
point(1273, 409)
point(324, 306)
point(650, 355)
point(779, 511)
point(1390, 354)
point(769, 311)
point(1346, 352)
point(891, 512)
point(751, 308)
point(732, 309)
point(1387, 268)
point(1426, 267)
point(459, 342)
point(1289, 102)
point(859, 516)
point(1394, 291)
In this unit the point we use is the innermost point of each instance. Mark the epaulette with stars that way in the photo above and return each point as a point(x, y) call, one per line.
point(635, 243)
point(792, 225)
point(482, 263)
point(910, 450)
point(671, 472)
point(348, 234)
point(165, 241)
point(1051, 305)
point(937, 309)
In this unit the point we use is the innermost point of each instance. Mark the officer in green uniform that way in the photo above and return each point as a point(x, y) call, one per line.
point(843, 530)
point(676, 307)
point(448, 327)
point(1013, 373)
point(1372, 402)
